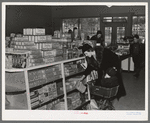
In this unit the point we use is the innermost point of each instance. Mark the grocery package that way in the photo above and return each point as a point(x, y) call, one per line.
point(17, 59)
point(80, 87)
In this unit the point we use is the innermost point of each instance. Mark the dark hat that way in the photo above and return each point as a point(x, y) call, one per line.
point(85, 47)
point(136, 36)
point(111, 71)
point(99, 32)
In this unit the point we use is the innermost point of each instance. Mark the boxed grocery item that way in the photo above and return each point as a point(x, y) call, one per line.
point(59, 86)
point(36, 75)
point(29, 43)
point(27, 31)
point(37, 83)
point(42, 38)
point(24, 38)
point(31, 38)
point(38, 31)
point(48, 53)
point(36, 60)
point(19, 59)
point(36, 56)
point(49, 59)
point(34, 99)
point(50, 91)
point(80, 87)
point(35, 104)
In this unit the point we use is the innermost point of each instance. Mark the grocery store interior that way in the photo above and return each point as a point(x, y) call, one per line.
point(42, 59)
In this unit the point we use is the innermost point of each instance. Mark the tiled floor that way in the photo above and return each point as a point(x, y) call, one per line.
point(135, 89)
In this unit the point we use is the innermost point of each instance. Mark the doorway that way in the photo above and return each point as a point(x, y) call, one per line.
point(115, 26)
point(113, 32)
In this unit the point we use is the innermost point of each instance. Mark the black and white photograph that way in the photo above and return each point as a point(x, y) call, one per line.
point(84, 61)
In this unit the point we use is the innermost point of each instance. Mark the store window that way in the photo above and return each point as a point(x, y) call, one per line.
point(68, 24)
point(138, 26)
point(88, 26)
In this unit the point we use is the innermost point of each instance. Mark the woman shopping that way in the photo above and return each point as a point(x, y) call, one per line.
point(101, 59)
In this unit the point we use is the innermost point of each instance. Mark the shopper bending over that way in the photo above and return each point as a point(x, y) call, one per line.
point(100, 59)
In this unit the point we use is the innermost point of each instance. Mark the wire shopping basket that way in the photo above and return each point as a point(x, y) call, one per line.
point(103, 91)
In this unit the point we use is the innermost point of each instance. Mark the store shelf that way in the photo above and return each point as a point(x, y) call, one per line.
point(60, 96)
point(42, 66)
point(39, 86)
point(78, 108)
point(14, 70)
point(29, 89)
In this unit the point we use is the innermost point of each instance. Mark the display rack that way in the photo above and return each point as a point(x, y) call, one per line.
point(28, 89)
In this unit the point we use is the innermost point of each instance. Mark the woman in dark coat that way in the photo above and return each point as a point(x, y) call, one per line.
point(100, 59)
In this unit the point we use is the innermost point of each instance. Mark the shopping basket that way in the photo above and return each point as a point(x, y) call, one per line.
point(106, 94)
point(103, 91)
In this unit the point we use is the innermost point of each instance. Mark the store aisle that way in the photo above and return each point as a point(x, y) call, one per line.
point(135, 89)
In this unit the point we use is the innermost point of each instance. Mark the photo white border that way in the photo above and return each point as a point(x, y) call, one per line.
point(35, 115)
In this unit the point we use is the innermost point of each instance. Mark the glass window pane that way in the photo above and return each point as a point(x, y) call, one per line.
point(108, 35)
point(120, 19)
point(120, 33)
point(138, 26)
point(89, 26)
point(109, 18)
point(69, 24)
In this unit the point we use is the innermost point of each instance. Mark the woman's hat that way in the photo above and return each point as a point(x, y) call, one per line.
point(99, 32)
point(85, 47)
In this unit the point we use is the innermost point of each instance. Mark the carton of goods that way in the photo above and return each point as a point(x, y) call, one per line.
point(38, 60)
point(59, 88)
point(38, 31)
point(31, 38)
point(34, 99)
point(29, 43)
point(80, 87)
point(34, 94)
point(50, 91)
point(48, 53)
point(34, 47)
point(40, 90)
point(45, 46)
point(24, 38)
point(35, 104)
point(36, 74)
point(36, 56)
point(41, 98)
point(49, 59)
point(37, 83)
point(52, 53)
point(43, 38)
point(27, 31)
point(19, 60)
point(35, 52)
